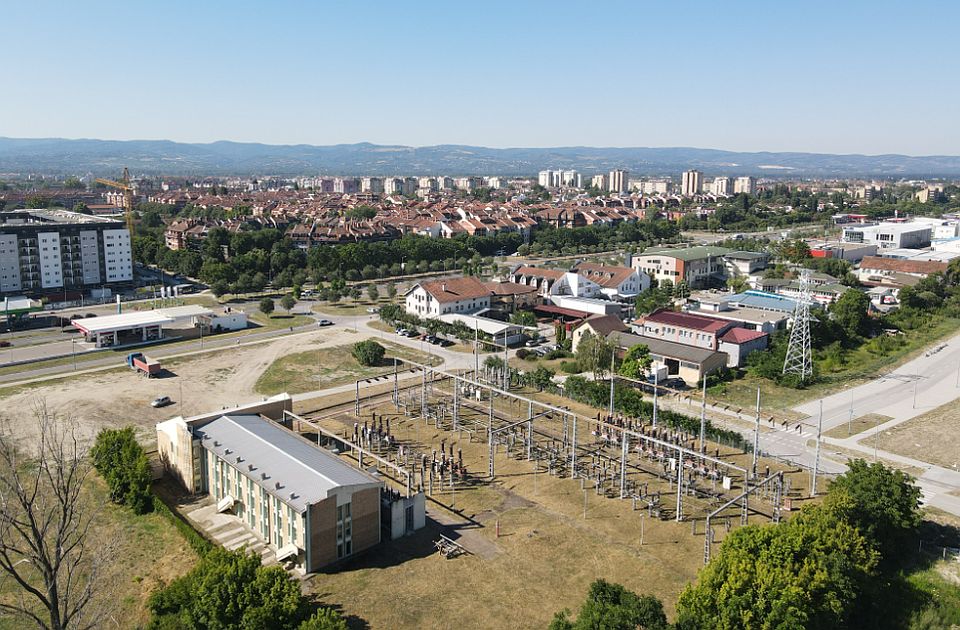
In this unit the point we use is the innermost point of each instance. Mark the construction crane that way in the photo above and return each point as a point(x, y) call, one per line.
point(124, 185)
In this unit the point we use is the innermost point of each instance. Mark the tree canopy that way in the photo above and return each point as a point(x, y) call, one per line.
point(610, 606)
point(123, 464)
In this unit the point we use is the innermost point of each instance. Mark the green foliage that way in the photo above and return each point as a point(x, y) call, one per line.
point(287, 302)
point(610, 606)
point(636, 362)
point(541, 377)
point(368, 352)
point(266, 306)
point(630, 402)
point(655, 297)
point(373, 293)
point(324, 619)
point(594, 354)
point(123, 464)
point(885, 506)
point(524, 318)
point(805, 573)
point(228, 589)
point(361, 212)
point(850, 313)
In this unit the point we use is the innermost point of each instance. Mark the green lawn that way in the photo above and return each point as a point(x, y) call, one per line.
point(349, 307)
point(280, 320)
point(328, 367)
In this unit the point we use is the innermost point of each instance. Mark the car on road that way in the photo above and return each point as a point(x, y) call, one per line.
point(373, 310)
point(161, 401)
point(324, 322)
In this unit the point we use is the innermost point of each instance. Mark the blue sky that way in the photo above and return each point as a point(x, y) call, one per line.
point(840, 77)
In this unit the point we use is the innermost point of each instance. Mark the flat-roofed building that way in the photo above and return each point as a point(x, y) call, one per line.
point(686, 362)
point(686, 328)
point(303, 502)
point(697, 266)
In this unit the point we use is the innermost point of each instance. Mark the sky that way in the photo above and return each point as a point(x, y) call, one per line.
point(777, 75)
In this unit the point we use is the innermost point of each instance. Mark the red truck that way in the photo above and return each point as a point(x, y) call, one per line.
point(143, 364)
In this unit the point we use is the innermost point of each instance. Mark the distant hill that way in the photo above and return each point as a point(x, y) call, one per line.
point(60, 156)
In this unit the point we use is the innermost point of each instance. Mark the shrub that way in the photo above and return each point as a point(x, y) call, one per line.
point(266, 306)
point(569, 367)
point(523, 353)
point(123, 464)
point(368, 353)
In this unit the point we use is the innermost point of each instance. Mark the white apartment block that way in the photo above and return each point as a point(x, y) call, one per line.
point(723, 186)
point(745, 185)
point(46, 251)
point(890, 235)
point(618, 181)
point(691, 183)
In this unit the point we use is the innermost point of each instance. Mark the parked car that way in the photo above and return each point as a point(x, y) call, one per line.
point(533, 343)
point(324, 322)
point(161, 401)
point(373, 310)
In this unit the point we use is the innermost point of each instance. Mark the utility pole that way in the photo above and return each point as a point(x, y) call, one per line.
point(656, 389)
point(816, 459)
point(613, 355)
point(850, 418)
point(756, 436)
point(703, 416)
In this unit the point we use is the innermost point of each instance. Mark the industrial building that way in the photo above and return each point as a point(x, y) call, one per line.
point(142, 326)
point(310, 507)
point(48, 251)
point(890, 235)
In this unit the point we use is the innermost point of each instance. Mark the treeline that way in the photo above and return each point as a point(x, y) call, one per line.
point(842, 563)
point(637, 235)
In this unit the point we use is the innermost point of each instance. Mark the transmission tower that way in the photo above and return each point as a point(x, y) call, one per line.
point(799, 359)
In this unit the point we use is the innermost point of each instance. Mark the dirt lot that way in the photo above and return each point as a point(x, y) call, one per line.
point(931, 437)
point(121, 397)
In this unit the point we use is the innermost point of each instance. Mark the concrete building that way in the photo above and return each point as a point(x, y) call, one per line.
point(691, 183)
point(597, 325)
point(48, 251)
point(745, 185)
point(681, 361)
point(723, 186)
point(372, 185)
point(346, 185)
point(618, 181)
point(889, 235)
point(453, 295)
point(616, 283)
point(306, 504)
point(599, 182)
point(746, 263)
point(686, 328)
point(851, 252)
point(739, 343)
point(876, 271)
point(697, 266)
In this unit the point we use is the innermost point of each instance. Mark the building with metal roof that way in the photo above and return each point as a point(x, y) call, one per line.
point(135, 326)
point(686, 362)
point(309, 506)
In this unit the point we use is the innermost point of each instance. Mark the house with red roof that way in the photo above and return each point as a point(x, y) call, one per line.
point(686, 328)
point(737, 343)
point(451, 295)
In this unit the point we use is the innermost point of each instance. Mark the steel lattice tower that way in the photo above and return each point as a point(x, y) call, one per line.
point(799, 359)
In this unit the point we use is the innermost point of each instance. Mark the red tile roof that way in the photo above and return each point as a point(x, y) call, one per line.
point(455, 289)
point(539, 272)
point(741, 335)
point(509, 288)
point(903, 266)
point(687, 320)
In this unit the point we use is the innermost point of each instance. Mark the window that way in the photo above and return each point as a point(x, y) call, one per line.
point(277, 522)
point(265, 515)
point(344, 531)
point(292, 524)
point(252, 515)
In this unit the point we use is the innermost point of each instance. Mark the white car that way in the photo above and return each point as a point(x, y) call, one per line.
point(161, 401)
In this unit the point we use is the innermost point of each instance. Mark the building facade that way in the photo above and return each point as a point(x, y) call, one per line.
point(691, 183)
point(45, 251)
point(454, 295)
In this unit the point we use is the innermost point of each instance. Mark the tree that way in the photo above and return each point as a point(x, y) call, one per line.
point(287, 302)
point(266, 306)
point(220, 287)
point(228, 589)
point(391, 291)
point(806, 573)
point(636, 362)
point(612, 607)
point(524, 318)
point(850, 312)
point(47, 546)
point(324, 619)
point(123, 464)
point(373, 293)
point(593, 354)
point(355, 293)
point(368, 353)
point(886, 506)
point(541, 377)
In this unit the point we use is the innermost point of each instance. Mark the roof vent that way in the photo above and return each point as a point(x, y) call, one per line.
point(250, 466)
point(216, 443)
point(293, 495)
point(227, 451)
point(239, 459)
point(443, 287)
point(278, 486)
point(263, 476)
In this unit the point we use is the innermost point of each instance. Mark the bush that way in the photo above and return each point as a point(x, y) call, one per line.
point(368, 353)
point(266, 306)
point(123, 464)
point(523, 353)
point(324, 619)
point(569, 367)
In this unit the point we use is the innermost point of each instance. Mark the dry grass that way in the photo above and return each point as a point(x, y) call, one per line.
point(931, 437)
point(859, 425)
point(548, 552)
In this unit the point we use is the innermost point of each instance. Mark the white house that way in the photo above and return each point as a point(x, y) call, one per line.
point(453, 295)
point(617, 283)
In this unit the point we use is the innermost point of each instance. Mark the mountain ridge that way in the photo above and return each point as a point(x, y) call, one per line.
point(225, 157)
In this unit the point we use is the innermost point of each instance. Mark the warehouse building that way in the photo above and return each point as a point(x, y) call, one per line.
point(306, 504)
point(48, 251)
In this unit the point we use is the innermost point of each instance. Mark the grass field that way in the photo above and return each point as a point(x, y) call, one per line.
point(280, 320)
point(932, 437)
point(149, 552)
point(860, 366)
point(328, 367)
point(349, 307)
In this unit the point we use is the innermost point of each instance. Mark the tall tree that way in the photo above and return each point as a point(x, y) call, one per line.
point(46, 546)
point(612, 607)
